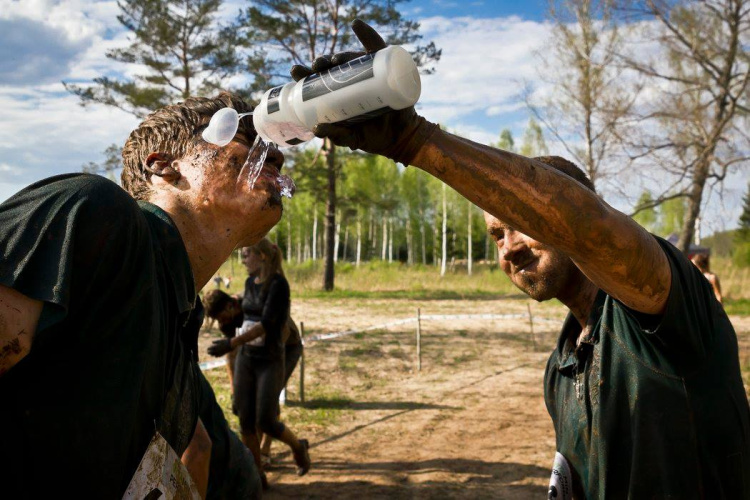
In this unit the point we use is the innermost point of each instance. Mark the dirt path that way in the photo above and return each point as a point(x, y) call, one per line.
point(471, 424)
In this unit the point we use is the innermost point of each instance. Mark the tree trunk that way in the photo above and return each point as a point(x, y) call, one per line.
point(694, 205)
point(299, 243)
point(314, 245)
point(384, 248)
point(289, 238)
point(331, 233)
point(373, 234)
point(346, 243)
point(390, 239)
point(445, 233)
point(409, 242)
point(468, 244)
point(435, 242)
point(359, 240)
point(337, 239)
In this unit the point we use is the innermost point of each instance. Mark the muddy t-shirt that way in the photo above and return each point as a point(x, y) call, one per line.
point(107, 367)
point(653, 413)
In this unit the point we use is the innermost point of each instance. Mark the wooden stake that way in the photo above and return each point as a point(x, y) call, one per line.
point(531, 326)
point(419, 340)
point(302, 363)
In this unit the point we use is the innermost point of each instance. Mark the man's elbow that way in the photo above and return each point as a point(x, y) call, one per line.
point(19, 316)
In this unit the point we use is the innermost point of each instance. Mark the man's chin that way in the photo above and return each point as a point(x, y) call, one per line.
point(536, 291)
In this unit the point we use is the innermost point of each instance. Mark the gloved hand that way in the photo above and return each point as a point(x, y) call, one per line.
point(220, 347)
point(398, 135)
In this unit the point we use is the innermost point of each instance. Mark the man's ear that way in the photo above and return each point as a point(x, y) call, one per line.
point(160, 164)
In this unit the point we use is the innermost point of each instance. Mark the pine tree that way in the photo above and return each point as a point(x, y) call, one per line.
point(286, 32)
point(743, 232)
point(183, 49)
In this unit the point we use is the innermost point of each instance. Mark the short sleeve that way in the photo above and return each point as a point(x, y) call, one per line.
point(62, 232)
point(687, 326)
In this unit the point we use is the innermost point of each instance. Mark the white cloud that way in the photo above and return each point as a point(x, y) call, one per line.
point(474, 92)
point(482, 66)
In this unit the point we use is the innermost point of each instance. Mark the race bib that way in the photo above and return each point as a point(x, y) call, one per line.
point(161, 475)
point(561, 480)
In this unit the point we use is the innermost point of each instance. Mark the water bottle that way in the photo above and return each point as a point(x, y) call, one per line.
point(358, 90)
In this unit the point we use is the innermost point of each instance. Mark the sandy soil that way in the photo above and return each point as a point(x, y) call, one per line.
point(471, 424)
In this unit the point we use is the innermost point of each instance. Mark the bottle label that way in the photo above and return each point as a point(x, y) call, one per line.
point(272, 105)
point(338, 77)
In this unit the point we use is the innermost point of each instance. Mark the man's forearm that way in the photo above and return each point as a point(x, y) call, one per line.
point(530, 196)
point(197, 458)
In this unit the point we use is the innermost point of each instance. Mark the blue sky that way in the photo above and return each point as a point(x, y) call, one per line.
point(527, 9)
point(489, 55)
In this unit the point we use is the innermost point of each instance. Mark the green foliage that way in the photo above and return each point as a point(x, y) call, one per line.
point(506, 141)
point(112, 162)
point(533, 141)
point(280, 33)
point(741, 254)
point(671, 216)
point(721, 243)
point(743, 234)
point(646, 217)
point(180, 45)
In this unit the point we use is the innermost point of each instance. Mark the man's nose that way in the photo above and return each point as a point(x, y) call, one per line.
point(514, 245)
point(275, 157)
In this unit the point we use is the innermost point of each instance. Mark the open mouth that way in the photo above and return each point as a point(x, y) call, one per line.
point(529, 265)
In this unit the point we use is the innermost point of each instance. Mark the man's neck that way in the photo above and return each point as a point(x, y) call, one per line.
point(579, 298)
point(208, 241)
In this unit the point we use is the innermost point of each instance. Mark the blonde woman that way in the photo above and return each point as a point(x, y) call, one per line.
point(259, 367)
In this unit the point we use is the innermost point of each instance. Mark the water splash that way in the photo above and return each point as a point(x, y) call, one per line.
point(286, 185)
point(256, 158)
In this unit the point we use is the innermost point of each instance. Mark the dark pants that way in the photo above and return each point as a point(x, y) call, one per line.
point(292, 353)
point(257, 385)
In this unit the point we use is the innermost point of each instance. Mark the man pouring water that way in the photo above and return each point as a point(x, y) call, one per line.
point(644, 386)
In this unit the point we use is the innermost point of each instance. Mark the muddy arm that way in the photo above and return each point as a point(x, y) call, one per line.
point(19, 316)
point(609, 247)
point(197, 458)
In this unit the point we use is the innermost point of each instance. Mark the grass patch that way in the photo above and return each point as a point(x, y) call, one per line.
point(739, 307)
point(324, 406)
point(381, 280)
point(464, 358)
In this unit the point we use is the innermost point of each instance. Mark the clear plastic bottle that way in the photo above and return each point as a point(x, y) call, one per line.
point(362, 88)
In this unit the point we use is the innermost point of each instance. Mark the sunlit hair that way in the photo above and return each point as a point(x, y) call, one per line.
point(215, 301)
point(702, 262)
point(568, 168)
point(173, 130)
point(273, 258)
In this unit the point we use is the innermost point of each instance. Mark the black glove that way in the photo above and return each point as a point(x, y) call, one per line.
point(398, 135)
point(220, 347)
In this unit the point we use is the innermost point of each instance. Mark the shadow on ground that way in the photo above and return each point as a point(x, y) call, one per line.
point(342, 403)
point(434, 478)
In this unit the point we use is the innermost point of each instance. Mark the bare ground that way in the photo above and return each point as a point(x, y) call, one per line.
point(471, 424)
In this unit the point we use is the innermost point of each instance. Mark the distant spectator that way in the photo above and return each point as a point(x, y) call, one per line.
point(227, 282)
point(227, 310)
point(259, 368)
point(218, 280)
point(702, 262)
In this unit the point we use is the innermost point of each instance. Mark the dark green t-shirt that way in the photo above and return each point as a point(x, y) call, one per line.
point(107, 366)
point(653, 413)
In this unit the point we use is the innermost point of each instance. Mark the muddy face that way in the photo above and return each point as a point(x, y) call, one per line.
point(540, 271)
